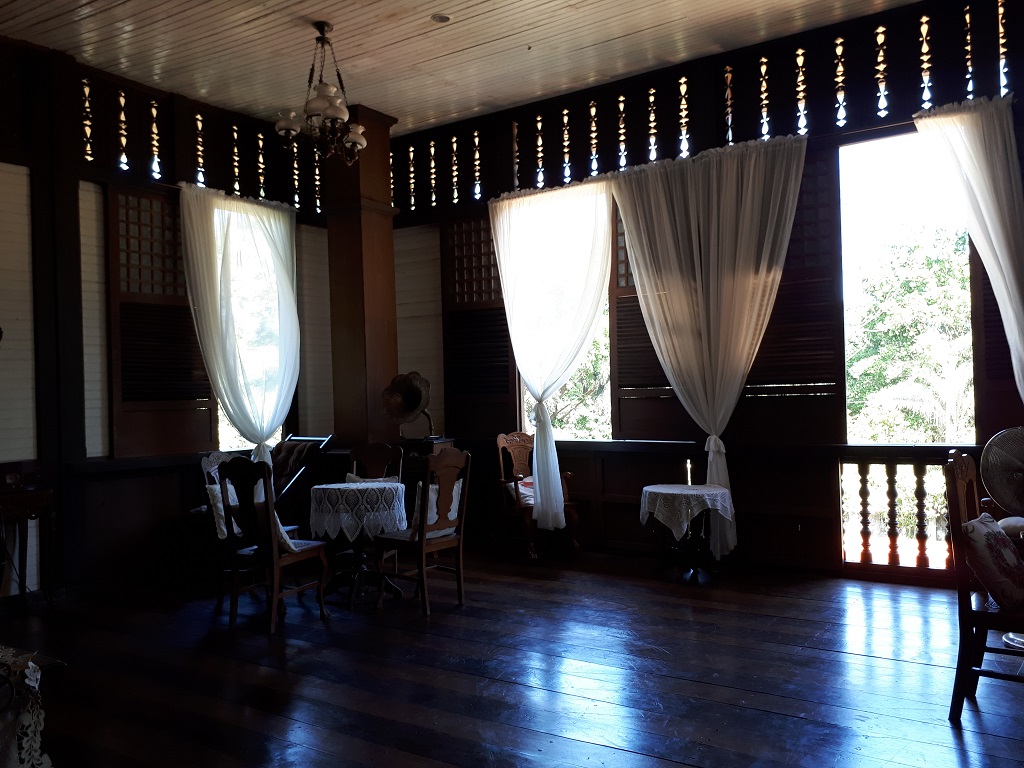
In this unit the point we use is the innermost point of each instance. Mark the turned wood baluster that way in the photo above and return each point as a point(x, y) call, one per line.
point(865, 515)
point(922, 521)
point(894, 531)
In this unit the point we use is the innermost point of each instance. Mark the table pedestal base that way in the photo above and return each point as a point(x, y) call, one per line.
point(690, 555)
point(359, 575)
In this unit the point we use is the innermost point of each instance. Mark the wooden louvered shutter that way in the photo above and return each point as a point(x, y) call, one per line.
point(798, 376)
point(481, 397)
point(162, 400)
point(997, 402)
point(644, 407)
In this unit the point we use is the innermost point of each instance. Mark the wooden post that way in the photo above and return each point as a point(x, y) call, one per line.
point(361, 255)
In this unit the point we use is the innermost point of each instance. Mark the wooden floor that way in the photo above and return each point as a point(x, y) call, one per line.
point(568, 666)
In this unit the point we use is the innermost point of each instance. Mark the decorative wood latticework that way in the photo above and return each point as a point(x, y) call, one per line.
point(475, 265)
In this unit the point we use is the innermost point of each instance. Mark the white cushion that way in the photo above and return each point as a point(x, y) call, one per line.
point(525, 490)
point(995, 561)
point(1013, 526)
point(350, 478)
point(217, 505)
point(453, 512)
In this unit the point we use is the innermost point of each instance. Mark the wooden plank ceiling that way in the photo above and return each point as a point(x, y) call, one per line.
point(254, 57)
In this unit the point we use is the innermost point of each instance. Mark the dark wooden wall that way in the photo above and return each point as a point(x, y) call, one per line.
point(114, 514)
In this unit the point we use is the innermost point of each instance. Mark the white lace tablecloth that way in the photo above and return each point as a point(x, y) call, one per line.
point(676, 505)
point(350, 508)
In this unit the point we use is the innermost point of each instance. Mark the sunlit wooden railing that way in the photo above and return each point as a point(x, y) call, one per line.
point(894, 505)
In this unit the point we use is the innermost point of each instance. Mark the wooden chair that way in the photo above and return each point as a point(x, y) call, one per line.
point(210, 464)
point(445, 486)
point(233, 566)
point(515, 464)
point(376, 460)
point(977, 614)
point(264, 555)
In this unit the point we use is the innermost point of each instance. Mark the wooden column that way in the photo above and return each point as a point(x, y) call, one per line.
point(361, 255)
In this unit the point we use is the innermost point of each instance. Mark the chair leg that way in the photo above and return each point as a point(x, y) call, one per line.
point(275, 597)
point(422, 583)
point(458, 574)
point(961, 683)
point(572, 524)
point(529, 526)
point(969, 659)
point(979, 637)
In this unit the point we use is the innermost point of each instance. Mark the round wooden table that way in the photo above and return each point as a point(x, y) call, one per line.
point(675, 506)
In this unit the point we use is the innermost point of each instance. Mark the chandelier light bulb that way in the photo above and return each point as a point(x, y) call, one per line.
point(288, 126)
point(337, 111)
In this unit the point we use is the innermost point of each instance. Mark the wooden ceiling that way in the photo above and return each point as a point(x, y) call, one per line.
point(254, 57)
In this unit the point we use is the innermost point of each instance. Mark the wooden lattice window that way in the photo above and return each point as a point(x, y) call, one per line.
point(480, 373)
point(162, 399)
point(475, 277)
point(148, 254)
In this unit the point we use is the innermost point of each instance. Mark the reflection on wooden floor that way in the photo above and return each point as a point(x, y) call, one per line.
point(568, 666)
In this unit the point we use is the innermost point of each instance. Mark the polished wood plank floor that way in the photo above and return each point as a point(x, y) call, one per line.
point(593, 663)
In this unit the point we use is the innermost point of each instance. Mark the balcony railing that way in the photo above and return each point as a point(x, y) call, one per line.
point(894, 505)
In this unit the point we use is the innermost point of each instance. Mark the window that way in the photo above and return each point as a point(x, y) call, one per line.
point(240, 257)
point(581, 409)
point(906, 289)
point(909, 341)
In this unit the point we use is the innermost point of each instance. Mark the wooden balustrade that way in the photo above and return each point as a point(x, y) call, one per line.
point(904, 512)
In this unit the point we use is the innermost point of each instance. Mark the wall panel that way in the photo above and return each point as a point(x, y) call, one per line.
point(17, 349)
point(420, 340)
point(94, 321)
point(316, 382)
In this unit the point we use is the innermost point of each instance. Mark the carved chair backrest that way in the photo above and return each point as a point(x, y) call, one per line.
point(211, 462)
point(444, 470)
point(962, 499)
point(519, 447)
point(253, 518)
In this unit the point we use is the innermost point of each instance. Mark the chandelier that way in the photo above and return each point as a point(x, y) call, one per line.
point(326, 109)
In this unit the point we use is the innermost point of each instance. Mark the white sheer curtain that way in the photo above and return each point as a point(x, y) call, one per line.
point(554, 258)
point(707, 239)
point(977, 144)
point(240, 271)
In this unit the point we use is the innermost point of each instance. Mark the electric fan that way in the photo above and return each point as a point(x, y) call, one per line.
point(1002, 472)
point(1002, 469)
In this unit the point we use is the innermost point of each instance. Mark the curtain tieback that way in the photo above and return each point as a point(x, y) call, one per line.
point(261, 452)
point(714, 443)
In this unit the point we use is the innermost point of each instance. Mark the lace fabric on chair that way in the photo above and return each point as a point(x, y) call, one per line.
point(21, 712)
